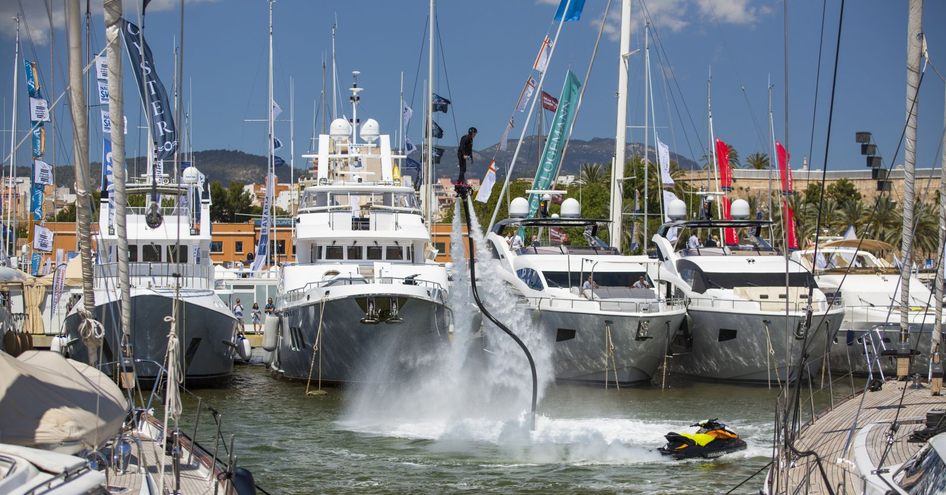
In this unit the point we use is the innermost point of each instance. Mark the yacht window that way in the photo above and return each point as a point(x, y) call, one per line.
point(175, 251)
point(132, 252)
point(375, 252)
point(394, 253)
point(334, 253)
point(354, 253)
point(151, 253)
point(603, 279)
point(530, 277)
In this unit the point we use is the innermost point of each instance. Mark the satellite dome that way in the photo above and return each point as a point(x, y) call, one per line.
point(519, 208)
point(340, 129)
point(370, 130)
point(571, 208)
point(677, 210)
point(190, 175)
point(739, 209)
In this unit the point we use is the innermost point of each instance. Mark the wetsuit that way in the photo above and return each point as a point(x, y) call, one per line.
point(464, 150)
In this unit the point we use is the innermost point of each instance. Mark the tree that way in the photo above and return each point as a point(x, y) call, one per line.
point(229, 204)
point(593, 173)
point(758, 161)
point(843, 191)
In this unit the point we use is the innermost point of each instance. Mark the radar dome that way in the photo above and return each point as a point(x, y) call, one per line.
point(340, 129)
point(190, 176)
point(519, 208)
point(370, 130)
point(571, 208)
point(739, 209)
point(677, 210)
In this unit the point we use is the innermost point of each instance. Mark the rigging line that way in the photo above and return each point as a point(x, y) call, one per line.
point(446, 77)
point(420, 60)
point(669, 92)
point(814, 106)
point(673, 76)
point(796, 394)
point(666, 91)
point(755, 123)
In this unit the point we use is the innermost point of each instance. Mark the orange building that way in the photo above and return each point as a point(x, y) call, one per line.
point(440, 236)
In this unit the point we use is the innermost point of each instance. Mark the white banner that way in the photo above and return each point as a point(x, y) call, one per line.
point(101, 67)
point(103, 92)
point(486, 188)
point(42, 172)
point(39, 110)
point(42, 239)
point(58, 281)
point(107, 122)
point(504, 139)
point(663, 158)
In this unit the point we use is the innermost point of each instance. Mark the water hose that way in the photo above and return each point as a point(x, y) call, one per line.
point(463, 191)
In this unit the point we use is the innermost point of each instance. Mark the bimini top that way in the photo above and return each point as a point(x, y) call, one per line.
point(864, 244)
point(711, 224)
point(547, 222)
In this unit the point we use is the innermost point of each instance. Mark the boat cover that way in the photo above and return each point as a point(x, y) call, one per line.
point(48, 401)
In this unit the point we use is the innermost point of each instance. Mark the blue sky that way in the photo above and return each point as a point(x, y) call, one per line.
point(489, 47)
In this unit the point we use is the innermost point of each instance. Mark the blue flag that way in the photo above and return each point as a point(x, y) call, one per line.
point(412, 169)
point(278, 162)
point(437, 132)
point(409, 146)
point(152, 92)
point(440, 104)
point(437, 153)
point(574, 10)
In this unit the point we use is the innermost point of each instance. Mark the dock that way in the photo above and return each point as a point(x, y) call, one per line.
point(854, 437)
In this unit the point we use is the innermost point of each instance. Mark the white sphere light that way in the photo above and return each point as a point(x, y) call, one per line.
point(190, 176)
point(519, 208)
point(340, 129)
point(677, 210)
point(739, 209)
point(370, 130)
point(571, 208)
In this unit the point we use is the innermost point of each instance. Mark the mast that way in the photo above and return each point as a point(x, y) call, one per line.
point(271, 163)
point(914, 37)
point(321, 106)
point(620, 138)
point(292, 157)
point(80, 152)
point(646, 130)
point(113, 26)
point(400, 120)
point(785, 47)
point(713, 170)
point(178, 105)
point(334, 74)
point(11, 202)
point(935, 347)
point(429, 133)
point(773, 158)
point(653, 117)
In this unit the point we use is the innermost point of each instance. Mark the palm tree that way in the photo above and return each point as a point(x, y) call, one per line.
point(733, 158)
point(758, 161)
point(594, 173)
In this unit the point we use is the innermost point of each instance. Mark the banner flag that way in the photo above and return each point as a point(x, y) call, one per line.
point(262, 248)
point(42, 239)
point(278, 161)
point(790, 232)
point(558, 135)
point(437, 132)
point(549, 102)
point(411, 169)
point(409, 146)
point(276, 109)
point(107, 179)
point(106, 122)
point(42, 172)
point(785, 169)
point(542, 59)
point(152, 92)
point(574, 10)
point(663, 158)
point(58, 281)
point(39, 141)
point(525, 95)
point(729, 234)
point(103, 92)
point(35, 261)
point(32, 79)
point(504, 139)
point(437, 153)
point(440, 104)
point(486, 187)
point(101, 67)
point(39, 110)
point(406, 115)
point(722, 158)
point(276, 144)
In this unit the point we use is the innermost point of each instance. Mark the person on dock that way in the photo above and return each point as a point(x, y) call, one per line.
point(464, 153)
point(257, 316)
point(238, 312)
point(270, 307)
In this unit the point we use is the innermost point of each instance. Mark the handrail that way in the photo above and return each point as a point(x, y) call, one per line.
point(297, 294)
point(158, 275)
point(606, 305)
point(727, 303)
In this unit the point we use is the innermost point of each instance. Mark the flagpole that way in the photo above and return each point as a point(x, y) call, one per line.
point(292, 158)
point(271, 186)
point(525, 125)
point(646, 132)
point(773, 157)
point(430, 115)
point(8, 249)
point(334, 74)
point(400, 127)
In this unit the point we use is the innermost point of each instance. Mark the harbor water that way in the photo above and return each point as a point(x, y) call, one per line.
point(587, 440)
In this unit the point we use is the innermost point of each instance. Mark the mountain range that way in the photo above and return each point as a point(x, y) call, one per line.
point(231, 165)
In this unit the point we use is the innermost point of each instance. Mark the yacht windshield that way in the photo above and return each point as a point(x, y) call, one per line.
point(701, 281)
point(602, 279)
point(313, 199)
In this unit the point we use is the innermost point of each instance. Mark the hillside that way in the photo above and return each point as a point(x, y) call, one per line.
point(230, 165)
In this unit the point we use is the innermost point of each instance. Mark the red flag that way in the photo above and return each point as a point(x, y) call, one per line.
point(557, 234)
point(784, 169)
point(729, 234)
point(549, 102)
point(725, 173)
point(790, 226)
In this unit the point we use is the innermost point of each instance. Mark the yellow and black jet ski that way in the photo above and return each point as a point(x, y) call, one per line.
point(713, 439)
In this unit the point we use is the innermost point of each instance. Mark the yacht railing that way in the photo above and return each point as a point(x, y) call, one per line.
point(157, 275)
point(604, 305)
point(300, 293)
point(773, 306)
point(166, 211)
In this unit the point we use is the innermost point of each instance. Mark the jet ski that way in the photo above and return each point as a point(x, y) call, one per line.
point(712, 440)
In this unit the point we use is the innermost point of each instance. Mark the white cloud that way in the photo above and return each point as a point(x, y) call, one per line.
point(730, 11)
point(675, 15)
point(34, 18)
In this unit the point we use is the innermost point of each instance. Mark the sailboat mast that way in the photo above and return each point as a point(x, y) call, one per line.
point(620, 138)
point(773, 160)
point(113, 27)
point(292, 156)
point(646, 129)
point(178, 101)
point(914, 36)
point(80, 152)
point(712, 146)
point(653, 118)
point(334, 75)
point(10, 249)
point(271, 166)
point(936, 345)
point(429, 133)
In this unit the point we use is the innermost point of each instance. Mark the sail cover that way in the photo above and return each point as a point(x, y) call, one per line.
point(48, 401)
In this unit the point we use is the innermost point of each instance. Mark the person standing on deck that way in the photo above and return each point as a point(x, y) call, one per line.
point(464, 153)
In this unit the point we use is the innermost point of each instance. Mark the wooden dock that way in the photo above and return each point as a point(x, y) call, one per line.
point(854, 437)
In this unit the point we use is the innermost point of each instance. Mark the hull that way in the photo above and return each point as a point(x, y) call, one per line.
point(751, 348)
point(581, 343)
point(207, 332)
point(858, 343)
point(353, 349)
